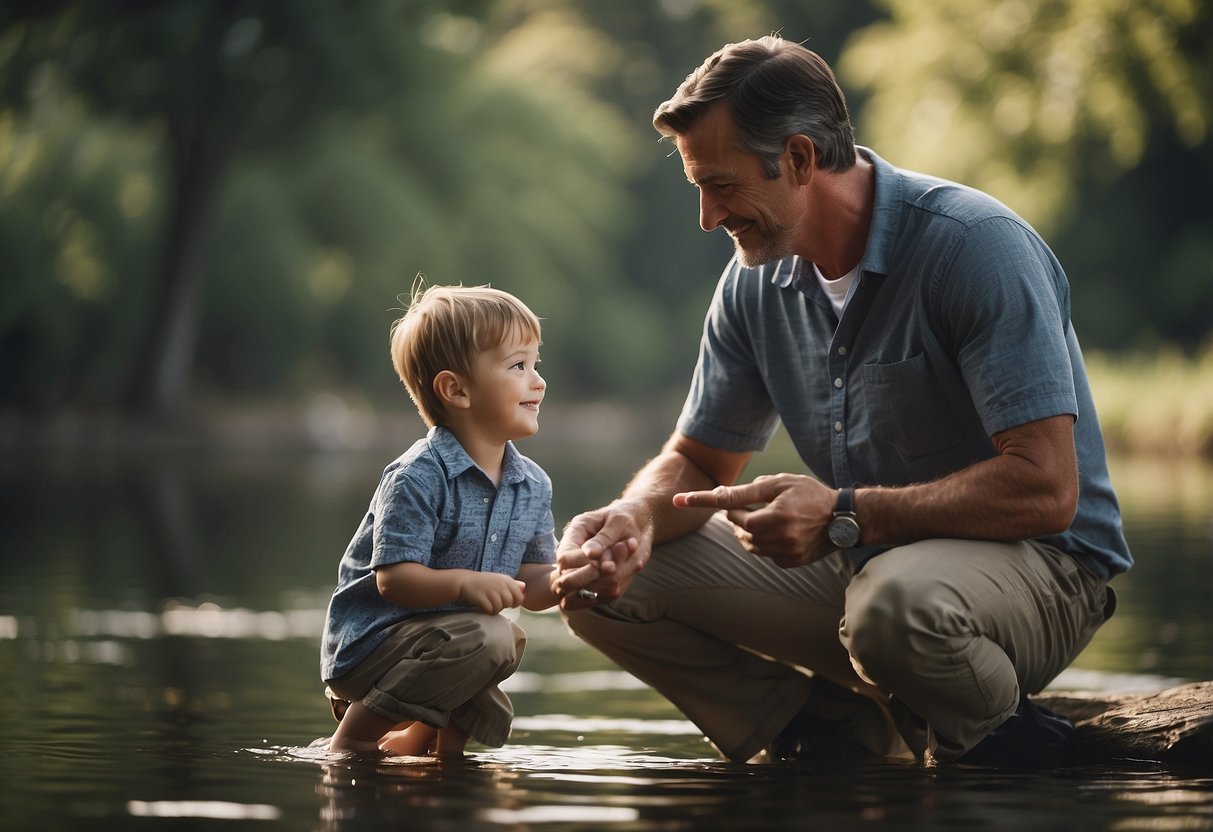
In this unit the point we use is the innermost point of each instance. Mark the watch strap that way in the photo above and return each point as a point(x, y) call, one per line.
point(846, 501)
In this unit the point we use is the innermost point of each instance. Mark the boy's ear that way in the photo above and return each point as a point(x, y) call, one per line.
point(451, 390)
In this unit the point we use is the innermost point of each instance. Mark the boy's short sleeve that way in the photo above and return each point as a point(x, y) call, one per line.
point(406, 518)
point(542, 547)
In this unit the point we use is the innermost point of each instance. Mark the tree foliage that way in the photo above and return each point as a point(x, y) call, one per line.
point(239, 192)
point(1092, 118)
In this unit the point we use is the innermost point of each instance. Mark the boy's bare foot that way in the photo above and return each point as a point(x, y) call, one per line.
point(359, 731)
point(451, 742)
point(349, 745)
point(417, 740)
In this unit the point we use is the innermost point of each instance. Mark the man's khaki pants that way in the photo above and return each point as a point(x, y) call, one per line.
point(954, 630)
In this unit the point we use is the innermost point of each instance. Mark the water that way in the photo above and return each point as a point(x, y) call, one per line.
point(159, 621)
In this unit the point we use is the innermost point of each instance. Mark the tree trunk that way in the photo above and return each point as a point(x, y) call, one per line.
point(201, 138)
point(161, 384)
point(1174, 726)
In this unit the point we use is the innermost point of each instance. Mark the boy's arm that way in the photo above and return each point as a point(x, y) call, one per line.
point(417, 586)
point(538, 580)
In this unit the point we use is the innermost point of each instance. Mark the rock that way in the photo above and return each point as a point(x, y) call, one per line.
point(1172, 726)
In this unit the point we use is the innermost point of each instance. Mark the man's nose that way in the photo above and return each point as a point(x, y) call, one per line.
point(711, 212)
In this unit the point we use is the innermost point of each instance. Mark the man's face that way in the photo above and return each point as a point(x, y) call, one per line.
point(760, 214)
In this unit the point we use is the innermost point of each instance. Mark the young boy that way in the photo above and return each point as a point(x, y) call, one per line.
point(459, 529)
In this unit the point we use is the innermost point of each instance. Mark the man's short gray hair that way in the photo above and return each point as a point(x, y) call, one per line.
point(774, 89)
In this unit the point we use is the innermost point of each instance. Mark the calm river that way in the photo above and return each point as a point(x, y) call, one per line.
point(159, 626)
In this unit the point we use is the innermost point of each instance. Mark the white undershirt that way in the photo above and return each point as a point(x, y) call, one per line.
point(838, 289)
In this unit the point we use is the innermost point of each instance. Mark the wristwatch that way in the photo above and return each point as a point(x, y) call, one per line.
point(843, 530)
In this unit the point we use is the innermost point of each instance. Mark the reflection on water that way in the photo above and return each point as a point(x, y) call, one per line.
point(608, 788)
point(159, 627)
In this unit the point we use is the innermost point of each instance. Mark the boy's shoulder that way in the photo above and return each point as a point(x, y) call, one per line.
point(525, 468)
point(427, 459)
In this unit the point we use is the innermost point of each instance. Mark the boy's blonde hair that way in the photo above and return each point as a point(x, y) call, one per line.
point(445, 328)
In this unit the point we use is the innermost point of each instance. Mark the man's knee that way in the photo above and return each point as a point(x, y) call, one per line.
point(583, 624)
point(886, 621)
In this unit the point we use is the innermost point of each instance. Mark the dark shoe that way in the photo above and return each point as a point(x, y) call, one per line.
point(1032, 738)
point(803, 738)
point(830, 727)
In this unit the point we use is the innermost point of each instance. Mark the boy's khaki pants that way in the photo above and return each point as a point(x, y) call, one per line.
point(954, 630)
point(441, 668)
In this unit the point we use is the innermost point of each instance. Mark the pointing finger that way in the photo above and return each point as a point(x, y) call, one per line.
point(724, 496)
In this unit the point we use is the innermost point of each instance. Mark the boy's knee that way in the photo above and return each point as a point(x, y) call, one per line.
point(502, 642)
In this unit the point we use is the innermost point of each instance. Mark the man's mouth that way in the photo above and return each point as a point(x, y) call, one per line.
point(737, 229)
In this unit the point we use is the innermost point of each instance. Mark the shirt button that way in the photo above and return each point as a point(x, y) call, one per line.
point(838, 383)
point(842, 350)
point(838, 427)
point(486, 499)
point(493, 537)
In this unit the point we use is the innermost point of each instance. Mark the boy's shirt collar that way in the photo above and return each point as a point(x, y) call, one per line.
point(456, 460)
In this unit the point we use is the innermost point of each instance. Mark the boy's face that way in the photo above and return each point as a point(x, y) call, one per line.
point(506, 390)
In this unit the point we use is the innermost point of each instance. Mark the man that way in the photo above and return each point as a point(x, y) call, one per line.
point(951, 552)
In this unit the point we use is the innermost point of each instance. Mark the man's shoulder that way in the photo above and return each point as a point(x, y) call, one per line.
point(952, 201)
point(931, 196)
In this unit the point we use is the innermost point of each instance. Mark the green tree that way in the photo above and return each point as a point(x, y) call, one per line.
point(1092, 118)
point(334, 144)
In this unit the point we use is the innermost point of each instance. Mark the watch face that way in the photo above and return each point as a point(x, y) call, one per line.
point(843, 532)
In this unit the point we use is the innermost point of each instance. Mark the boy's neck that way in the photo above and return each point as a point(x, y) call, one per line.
point(488, 456)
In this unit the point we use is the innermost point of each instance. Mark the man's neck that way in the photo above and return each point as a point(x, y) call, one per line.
point(844, 205)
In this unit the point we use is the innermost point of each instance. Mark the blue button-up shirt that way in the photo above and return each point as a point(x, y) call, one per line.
point(435, 507)
point(957, 327)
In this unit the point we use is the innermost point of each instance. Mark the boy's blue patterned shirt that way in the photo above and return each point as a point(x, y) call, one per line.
point(435, 506)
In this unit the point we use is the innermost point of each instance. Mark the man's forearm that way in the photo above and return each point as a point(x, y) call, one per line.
point(1004, 498)
point(652, 489)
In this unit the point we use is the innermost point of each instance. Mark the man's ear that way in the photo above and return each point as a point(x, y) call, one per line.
point(451, 390)
point(801, 157)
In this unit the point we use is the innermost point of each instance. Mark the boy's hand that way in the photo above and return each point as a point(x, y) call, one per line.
point(491, 592)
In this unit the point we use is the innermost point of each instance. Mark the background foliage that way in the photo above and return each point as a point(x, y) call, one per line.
point(230, 197)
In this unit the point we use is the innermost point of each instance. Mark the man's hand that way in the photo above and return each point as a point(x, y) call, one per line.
point(599, 553)
point(782, 517)
point(491, 592)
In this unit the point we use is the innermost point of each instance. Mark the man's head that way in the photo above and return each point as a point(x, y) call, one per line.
point(773, 89)
point(446, 328)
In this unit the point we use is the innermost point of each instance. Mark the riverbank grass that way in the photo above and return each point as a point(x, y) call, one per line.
point(1159, 402)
